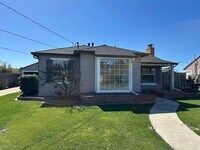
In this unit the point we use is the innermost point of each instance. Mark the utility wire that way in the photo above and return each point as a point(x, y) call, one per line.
point(13, 50)
point(37, 23)
point(27, 38)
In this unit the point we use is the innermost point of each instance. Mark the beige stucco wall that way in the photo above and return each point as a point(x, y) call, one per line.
point(136, 75)
point(49, 89)
point(87, 69)
point(86, 66)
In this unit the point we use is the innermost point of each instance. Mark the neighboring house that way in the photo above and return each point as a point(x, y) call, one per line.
point(193, 68)
point(106, 69)
point(30, 69)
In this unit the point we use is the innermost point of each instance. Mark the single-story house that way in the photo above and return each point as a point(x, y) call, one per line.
point(30, 69)
point(193, 68)
point(106, 69)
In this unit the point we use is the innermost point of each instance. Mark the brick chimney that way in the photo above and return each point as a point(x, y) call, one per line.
point(150, 50)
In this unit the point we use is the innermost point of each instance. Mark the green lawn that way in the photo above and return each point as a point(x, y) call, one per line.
point(189, 113)
point(33, 126)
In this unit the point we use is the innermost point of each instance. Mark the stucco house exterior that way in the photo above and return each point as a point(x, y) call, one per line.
point(193, 68)
point(106, 69)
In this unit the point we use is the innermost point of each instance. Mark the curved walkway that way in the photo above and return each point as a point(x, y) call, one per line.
point(9, 91)
point(166, 123)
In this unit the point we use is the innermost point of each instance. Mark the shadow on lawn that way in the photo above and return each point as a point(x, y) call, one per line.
point(186, 106)
point(135, 108)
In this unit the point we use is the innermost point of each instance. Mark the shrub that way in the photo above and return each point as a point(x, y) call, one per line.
point(29, 84)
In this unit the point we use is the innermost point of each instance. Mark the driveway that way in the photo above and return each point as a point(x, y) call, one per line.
point(9, 91)
point(166, 123)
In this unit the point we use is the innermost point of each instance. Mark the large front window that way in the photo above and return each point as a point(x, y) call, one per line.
point(114, 74)
point(148, 74)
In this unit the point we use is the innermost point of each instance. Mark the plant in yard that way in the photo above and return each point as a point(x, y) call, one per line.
point(29, 84)
point(64, 76)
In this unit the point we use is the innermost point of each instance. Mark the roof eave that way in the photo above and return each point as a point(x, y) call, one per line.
point(160, 63)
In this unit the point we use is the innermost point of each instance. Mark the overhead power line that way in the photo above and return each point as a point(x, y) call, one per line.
point(27, 38)
point(37, 23)
point(13, 50)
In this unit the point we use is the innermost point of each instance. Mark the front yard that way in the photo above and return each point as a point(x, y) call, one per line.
point(189, 113)
point(32, 125)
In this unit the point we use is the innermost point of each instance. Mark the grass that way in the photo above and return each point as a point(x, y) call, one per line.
point(31, 125)
point(189, 113)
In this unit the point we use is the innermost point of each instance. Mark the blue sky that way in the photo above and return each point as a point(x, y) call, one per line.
point(172, 26)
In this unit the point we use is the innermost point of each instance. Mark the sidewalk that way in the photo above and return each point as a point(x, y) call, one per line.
point(166, 123)
point(9, 91)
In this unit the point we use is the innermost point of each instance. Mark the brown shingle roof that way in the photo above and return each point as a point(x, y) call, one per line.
point(104, 50)
point(155, 60)
point(65, 50)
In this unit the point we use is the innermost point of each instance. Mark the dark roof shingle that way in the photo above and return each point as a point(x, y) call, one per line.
point(98, 50)
point(155, 60)
point(113, 51)
point(65, 50)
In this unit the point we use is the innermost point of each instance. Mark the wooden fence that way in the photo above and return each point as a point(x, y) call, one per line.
point(179, 80)
point(8, 80)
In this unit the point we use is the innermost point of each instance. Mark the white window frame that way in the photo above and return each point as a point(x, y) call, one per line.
point(198, 71)
point(97, 76)
point(150, 83)
point(61, 59)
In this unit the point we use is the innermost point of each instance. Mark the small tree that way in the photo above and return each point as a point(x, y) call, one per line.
point(5, 67)
point(62, 74)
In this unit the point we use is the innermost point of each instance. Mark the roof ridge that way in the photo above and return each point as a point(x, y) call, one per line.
point(117, 48)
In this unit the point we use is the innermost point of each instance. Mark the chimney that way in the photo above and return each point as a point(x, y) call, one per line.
point(150, 50)
point(88, 44)
point(92, 44)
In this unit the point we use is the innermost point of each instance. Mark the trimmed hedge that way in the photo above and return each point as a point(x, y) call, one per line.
point(29, 85)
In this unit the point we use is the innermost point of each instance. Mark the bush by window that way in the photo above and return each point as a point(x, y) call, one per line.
point(29, 85)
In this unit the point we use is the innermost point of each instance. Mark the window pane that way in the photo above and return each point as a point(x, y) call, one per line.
point(148, 70)
point(148, 74)
point(114, 74)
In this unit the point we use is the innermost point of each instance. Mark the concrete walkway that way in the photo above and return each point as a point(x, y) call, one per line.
point(166, 123)
point(9, 91)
